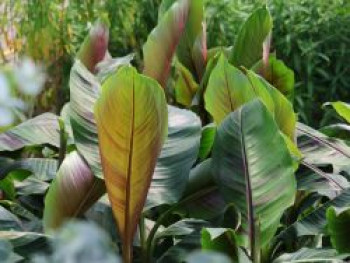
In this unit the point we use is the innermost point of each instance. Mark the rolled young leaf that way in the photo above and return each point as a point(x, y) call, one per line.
point(95, 45)
point(161, 44)
point(254, 170)
point(248, 48)
point(131, 116)
point(73, 191)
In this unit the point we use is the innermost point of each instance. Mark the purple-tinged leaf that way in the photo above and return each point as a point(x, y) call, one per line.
point(73, 191)
point(43, 129)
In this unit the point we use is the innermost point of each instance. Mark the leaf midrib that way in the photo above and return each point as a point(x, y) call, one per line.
point(250, 211)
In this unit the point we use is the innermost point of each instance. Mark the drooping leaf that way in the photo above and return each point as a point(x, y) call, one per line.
point(228, 88)
point(43, 129)
point(311, 255)
point(254, 170)
point(220, 240)
point(130, 149)
point(342, 108)
point(338, 221)
point(185, 86)
point(248, 48)
point(95, 45)
point(72, 192)
point(84, 90)
point(178, 154)
point(43, 169)
point(163, 40)
point(207, 140)
point(278, 75)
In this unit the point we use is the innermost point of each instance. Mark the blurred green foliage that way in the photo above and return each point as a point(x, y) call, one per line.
point(311, 36)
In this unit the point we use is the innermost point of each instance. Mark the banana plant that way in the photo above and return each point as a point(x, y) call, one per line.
point(198, 149)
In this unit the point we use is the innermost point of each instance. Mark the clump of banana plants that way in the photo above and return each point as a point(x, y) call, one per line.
point(198, 155)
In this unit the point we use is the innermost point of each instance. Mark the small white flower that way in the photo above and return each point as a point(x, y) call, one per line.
point(6, 117)
point(30, 77)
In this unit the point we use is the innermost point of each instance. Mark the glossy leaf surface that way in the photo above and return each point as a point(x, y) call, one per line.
point(254, 170)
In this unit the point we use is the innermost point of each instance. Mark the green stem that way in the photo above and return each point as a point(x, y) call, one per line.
point(142, 230)
point(150, 240)
point(63, 143)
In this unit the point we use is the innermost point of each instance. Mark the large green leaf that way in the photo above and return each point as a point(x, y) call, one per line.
point(84, 90)
point(315, 255)
point(131, 116)
point(95, 45)
point(163, 40)
point(278, 75)
point(338, 221)
point(73, 191)
point(248, 48)
point(178, 154)
point(254, 170)
point(43, 129)
point(228, 88)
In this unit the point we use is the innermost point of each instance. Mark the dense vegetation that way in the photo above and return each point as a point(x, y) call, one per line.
point(188, 150)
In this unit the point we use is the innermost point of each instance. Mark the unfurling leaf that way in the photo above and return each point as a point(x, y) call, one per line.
point(131, 116)
point(95, 45)
point(73, 191)
point(161, 44)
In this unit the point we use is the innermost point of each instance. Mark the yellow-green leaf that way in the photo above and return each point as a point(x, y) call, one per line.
point(131, 116)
